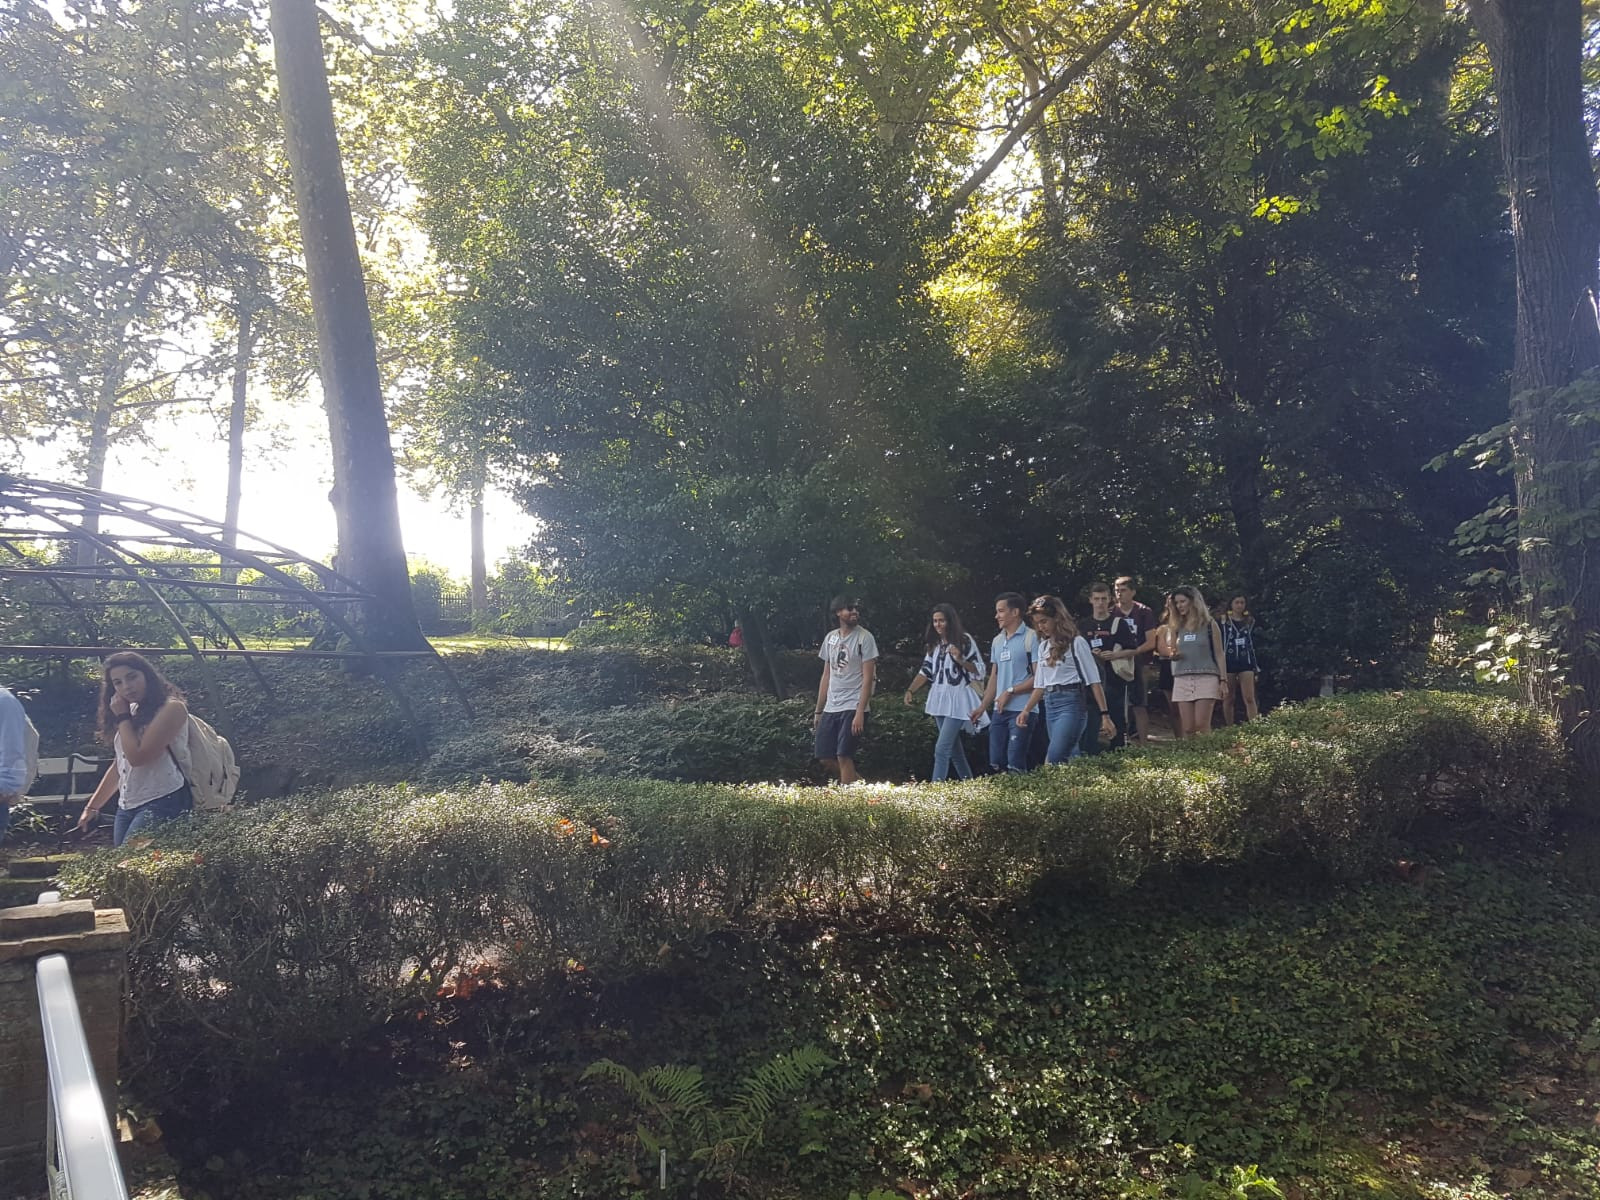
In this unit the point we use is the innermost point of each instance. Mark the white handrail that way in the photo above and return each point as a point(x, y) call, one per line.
point(80, 1152)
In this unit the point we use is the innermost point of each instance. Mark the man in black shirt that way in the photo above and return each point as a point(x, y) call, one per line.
point(1143, 619)
point(1114, 639)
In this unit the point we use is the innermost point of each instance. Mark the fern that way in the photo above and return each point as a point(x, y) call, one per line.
point(676, 1098)
point(770, 1084)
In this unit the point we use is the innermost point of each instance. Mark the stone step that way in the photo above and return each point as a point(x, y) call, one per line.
point(43, 867)
point(17, 892)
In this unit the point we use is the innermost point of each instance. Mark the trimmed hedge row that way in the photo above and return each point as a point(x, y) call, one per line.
point(292, 926)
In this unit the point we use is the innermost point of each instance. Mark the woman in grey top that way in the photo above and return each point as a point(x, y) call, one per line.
point(1192, 642)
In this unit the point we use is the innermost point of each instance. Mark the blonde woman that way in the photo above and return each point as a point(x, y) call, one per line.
point(1066, 670)
point(1192, 642)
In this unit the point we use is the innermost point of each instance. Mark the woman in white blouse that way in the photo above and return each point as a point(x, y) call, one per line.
point(143, 717)
point(1065, 673)
point(952, 665)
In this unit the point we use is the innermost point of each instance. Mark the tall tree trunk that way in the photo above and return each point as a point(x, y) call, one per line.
point(370, 547)
point(99, 449)
point(480, 567)
point(758, 653)
point(1536, 50)
point(236, 415)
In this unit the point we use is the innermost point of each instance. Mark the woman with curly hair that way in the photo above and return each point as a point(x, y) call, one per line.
point(951, 666)
point(1065, 672)
point(143, 717)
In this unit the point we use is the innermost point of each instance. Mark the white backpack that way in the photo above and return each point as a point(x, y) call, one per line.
point(209, 766)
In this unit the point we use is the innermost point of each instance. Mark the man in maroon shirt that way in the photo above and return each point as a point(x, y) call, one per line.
point(1143, 619)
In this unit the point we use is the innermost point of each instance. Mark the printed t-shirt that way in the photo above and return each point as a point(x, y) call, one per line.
point(949, 690)
point(1116, 632)
point(1143, 618)
point(1077, 667)
point(847, 655)
point(1013, 664)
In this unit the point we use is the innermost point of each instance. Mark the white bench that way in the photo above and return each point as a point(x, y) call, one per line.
point(63, 783)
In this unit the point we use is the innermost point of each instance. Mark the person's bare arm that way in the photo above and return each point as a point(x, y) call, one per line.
point(988, 695)
point(1106, 723)
point(143, 747)
point(109, 782)
point(822, 692)
point(869, 673)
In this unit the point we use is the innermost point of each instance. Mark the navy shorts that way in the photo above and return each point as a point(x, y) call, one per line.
point(1137, 687)
point(834, 739)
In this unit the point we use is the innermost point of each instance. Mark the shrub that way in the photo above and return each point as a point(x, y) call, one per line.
point(292, 926)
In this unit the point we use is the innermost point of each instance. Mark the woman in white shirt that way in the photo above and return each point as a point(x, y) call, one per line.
point(952, 665)
point(1065, 672)
point(143, 717)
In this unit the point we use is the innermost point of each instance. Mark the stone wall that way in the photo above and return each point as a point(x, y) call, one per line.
point(96, 947)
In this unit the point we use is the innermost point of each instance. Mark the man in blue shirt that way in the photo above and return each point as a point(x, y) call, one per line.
point(13, 755)
point(1010, 683)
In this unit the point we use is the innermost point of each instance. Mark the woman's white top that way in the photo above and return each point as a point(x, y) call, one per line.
point(949, 692)
point(140, 785)
point(1077, 667)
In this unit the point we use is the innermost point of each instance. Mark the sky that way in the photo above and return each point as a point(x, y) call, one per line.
point(288, 471)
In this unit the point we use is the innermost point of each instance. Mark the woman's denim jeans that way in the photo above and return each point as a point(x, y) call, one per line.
point(163, 808)
point(1064, 714)
point(948, 750)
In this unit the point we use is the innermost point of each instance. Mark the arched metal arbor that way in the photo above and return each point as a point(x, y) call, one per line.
point(179, 567)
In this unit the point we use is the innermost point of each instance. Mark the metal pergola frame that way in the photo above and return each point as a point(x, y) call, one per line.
point(36, 511)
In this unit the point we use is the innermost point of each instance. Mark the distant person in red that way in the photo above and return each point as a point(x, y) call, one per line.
point(736, 638)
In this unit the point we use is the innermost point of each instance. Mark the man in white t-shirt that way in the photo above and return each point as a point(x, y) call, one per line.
point(849, 657)
point(13, 755)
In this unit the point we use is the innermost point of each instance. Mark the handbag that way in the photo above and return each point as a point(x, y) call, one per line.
point(1125, 668)
point(982, 722)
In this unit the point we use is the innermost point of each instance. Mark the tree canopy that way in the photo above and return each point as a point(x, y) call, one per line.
point(752, 301)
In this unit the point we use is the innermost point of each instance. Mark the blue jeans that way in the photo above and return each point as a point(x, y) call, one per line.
point(163, 808)
point(1064, 714)
point(948, 750)
point(1008, 745)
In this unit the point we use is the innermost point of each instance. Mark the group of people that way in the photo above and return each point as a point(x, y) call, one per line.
point(1053, 687)
point(144, 719)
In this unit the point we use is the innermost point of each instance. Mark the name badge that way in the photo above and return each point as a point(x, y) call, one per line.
point(1005, 654)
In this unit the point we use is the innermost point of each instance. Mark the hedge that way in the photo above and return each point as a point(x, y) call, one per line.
point(292, 926)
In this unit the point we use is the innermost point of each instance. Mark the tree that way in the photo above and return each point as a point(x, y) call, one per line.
point(1536, 48)
point(371, 550)
point(1262, 319)
point(121, 124)
point(705, 378)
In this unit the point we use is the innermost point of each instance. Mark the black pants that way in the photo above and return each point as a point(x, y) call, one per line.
point(1117, 698)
